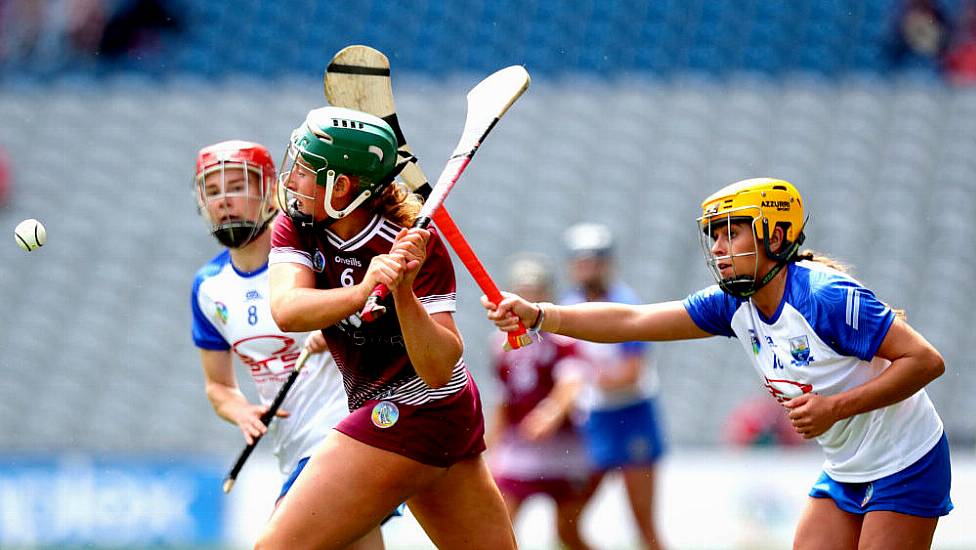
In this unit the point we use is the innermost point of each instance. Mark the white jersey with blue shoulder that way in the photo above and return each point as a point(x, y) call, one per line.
point(823, 339)
point(232, 311)
point(608, 356)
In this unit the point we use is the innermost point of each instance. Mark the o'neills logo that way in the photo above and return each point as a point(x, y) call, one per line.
point(348, 261)
point(778, 205)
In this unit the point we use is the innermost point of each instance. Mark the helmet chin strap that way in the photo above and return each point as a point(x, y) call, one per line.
point(744, 287)
point(238, 234)
point(301, 219)
point(330, 178)
point(733, 286)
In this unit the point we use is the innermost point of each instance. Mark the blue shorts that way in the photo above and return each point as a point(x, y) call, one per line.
point(921, 489)
point(397, 512)
point(628, 436)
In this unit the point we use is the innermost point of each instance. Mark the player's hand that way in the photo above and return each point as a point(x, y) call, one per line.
point(384, 269)
point(248, 419)
point(411, 246)
point(512, 309)
point(811, 414)
point(315, 343)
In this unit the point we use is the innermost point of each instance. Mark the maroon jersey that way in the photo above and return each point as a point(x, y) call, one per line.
point(530, 373)
point(372, 356)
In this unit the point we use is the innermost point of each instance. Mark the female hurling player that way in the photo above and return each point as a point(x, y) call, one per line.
point(849, 371)
point(416, 431)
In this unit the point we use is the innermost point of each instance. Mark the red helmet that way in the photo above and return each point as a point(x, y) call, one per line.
point(240, 202)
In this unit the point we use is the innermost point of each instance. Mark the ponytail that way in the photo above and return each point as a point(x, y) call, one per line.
point(399, 205)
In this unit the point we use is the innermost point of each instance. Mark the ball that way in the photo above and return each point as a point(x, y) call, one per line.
point(30, 234)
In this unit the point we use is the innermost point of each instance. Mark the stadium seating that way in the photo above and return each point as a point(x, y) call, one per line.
point(660, 38)
point(96, 350)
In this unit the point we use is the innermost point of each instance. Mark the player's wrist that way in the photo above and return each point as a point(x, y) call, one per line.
point(553, 320)
point(539, 324)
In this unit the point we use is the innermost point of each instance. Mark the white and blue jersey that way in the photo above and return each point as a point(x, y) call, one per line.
point(823, 339)
point(609, 356)
point(232, 311)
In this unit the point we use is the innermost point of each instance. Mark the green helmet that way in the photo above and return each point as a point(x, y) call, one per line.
point(334, 141)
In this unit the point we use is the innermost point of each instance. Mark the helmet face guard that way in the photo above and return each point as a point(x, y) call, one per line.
point(739, 284)
point(234, 188)
point(762, 204)
point(332, 142)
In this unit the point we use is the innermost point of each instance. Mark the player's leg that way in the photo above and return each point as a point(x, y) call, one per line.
point(627, 439)
point(569, 510)
point(893, 530)
point(639, 482)
point(903, 509)
point(370, 541)
point(568, 515)
point(463, 509)
point(513, 502)
point(345, 491)
point(824, 525)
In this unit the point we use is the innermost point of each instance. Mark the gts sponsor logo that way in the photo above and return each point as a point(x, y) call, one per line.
point(359, 338)
point(348, 261)
point(780, 206)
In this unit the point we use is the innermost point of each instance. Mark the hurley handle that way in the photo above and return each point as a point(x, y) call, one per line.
point(266, 419)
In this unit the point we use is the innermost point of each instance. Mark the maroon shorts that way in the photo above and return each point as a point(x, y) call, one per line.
point(438, 433)
point(559, 489)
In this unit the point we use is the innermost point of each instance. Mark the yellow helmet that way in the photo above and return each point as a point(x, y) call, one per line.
point(764, 203)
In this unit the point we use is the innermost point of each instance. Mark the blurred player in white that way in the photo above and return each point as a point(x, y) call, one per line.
point(621, 428)
point(234, 187)
point(848, 370)
point(535, 448)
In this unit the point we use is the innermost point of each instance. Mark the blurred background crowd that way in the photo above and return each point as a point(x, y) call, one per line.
point(637, 110)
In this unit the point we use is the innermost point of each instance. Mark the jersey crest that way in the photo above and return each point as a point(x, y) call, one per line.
point(800, 350)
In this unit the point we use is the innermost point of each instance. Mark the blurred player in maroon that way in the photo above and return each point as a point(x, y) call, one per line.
point(534, 446)
point(416, 430)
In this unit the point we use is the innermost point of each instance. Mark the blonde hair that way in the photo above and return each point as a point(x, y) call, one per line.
point(398, 204)
point(832, 263)
point(837, 265)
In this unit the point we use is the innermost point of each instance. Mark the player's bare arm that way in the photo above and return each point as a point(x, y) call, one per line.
point(433, 342)
point(551, 412)
point(598, 321)
point(914, 363)
point(297, 306)
point(226, 398)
